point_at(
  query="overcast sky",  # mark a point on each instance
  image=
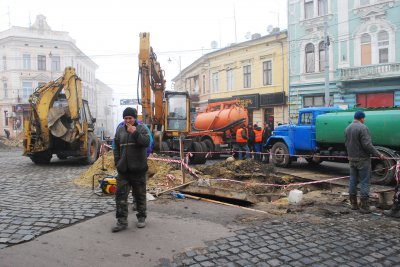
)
(108, 31)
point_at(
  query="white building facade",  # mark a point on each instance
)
(31, 57)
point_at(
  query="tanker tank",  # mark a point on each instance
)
(383, 125)
(221, 116)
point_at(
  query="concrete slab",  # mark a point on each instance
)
(170, 229)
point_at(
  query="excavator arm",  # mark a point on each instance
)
(152, 82)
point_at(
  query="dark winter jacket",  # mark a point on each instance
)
(267, 132)
(358, 142)
(130, 149)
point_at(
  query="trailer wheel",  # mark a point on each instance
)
(382, 171)
(280, 155)
(41, 157)
(198, 157)
(92, 150)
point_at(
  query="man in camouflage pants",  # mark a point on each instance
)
(130, 159)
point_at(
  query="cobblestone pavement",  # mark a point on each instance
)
(303, 243)
(38, 199)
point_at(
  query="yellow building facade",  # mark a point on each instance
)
(254, 71)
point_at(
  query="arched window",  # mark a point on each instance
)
(365, 49)
(310, 58)
(321, 56)
(383, 46)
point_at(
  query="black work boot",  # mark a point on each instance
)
(353, 202)
(364, 208)
(394, 211)
(141, 222)
(119, 227)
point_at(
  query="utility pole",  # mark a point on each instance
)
(326, 47)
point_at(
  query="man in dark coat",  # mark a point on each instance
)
(359, 150)
(130, 144)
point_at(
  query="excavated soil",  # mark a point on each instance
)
(10, 143)
(318, 206)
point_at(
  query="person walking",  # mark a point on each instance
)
(359, 150)
(241, 141)
(130, 144)
(257, 142)
(267, 132)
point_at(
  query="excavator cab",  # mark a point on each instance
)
(177, 110)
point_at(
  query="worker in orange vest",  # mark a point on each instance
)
(241, 142)
(258, 141)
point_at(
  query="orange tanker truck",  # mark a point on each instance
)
(215, 127)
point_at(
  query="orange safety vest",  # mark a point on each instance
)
(239, 138)
(258, 134)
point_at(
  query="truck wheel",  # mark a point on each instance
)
(41, 157)
(198, 157)
(382, 171)
(205, 149)
(165, 148)
(280, 155)
(93, 149)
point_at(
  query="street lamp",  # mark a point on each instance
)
(180, 70)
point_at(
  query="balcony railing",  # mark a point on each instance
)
(370, 71)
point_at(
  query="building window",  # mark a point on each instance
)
(215, 82)
(364, 2)
(313, 101)
(26, 90)
(267, 72)
(4, 63)
(26, 58)
(204, 84)
(41, 62)
(5, 90)
(55, 63)
(321, 56)
(383, 46)
(365, 49)
(321, 7)
(308, 9)
(247, 76)
(310, 58)
(229, 80)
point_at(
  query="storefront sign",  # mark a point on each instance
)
(273, 99)
(249, 101)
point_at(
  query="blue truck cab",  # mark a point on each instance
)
(290, 141)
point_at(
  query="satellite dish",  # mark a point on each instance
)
(214, 44)
(248, 35)
(270, 28)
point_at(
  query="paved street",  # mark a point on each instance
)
(38, 199)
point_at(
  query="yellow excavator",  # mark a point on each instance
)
(60, 122)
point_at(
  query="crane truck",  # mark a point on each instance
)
(168, 114)
(60, 122)
(319, 136)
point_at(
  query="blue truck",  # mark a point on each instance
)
(319, 136)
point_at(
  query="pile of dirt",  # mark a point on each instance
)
(10, 143)
(161, 175)
(253, 176)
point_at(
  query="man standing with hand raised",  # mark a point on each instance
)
(130, 159)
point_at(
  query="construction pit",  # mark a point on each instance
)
(248, 184)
